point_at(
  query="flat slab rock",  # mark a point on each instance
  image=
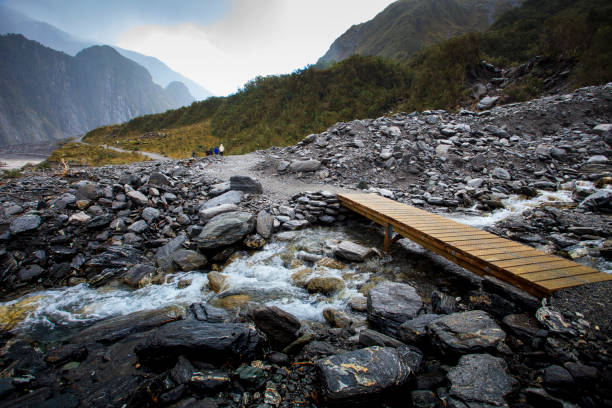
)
(480, 380)
(208, 342)
(390, 304)
(226, 229)
(352, 251)
(466, 332)
(364, 373)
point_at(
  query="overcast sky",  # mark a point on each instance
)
(220, 44)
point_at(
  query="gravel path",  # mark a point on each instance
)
(278, 187)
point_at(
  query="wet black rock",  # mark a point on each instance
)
(466, 332)
(423, 399)
(66, 353)
(362, 375)
(280, 327)
(207, 313)
(522, 326)
(369, 337)
(480, 380)
(441, 303)
(139, 275)
(414, 331)
(207, 342)
(557, 379)
(183, 370)
(209, 382)
(390, 304)
(114, 329)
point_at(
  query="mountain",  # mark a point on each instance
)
(47, 95)
(52, 37)
(407, 26)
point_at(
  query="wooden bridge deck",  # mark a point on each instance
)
(478, 251)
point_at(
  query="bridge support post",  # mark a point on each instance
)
(388, 238)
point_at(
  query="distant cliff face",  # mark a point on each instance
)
(406, 26)
(47, 95)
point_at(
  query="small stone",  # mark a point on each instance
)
(336, 318)
(189, 260)
(326, 285)
(137, 197)
(217, 281)
(352, 251)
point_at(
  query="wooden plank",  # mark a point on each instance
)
(560, 264)
(498, 254)
(538, 259)
(568, 282)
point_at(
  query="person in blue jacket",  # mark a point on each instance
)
(216, 150)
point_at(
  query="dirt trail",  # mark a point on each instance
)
(277, 186)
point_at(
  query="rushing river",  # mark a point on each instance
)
(270, 276)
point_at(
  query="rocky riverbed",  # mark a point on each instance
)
(241, 281)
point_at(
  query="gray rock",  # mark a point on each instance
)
(390, 304)
(481, 380)
(442, 303)
(304, 166)
(150, 214)
(207, 214)
(139, 275)
(86, 191)
(487, 102)
(352, 251)
(599, 201)
(557, 378)
(188, 260)
(423, 399)
(158, 179)
(226, 229)
(501, 174)
(137, 197)
(294, 225)
(138, 227)
(207, 342)
(415, 330)
(363, 374)
(246, 184)
(280, 327)
(218, 189)
(598, 159)
(207, 313)
(466, 332)
(603, 128)
(163, 253)
(25, 223)
(265, 224)
(231, 197)
(30, 273)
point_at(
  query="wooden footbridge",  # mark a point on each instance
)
(475, 250)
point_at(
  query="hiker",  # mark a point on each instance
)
(209, 152)
(193, 154)
(221, 149)
(216, 150)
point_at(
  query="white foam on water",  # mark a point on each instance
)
(514, 205)
(82, 304)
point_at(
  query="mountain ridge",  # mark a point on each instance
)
(48, 95)
(406, 26)
(54, 38)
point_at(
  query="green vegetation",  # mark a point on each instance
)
(11, 173)
(275, 110)
(86, 155)
(281, 110)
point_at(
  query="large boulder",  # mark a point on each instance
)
(304, 166)
(206, 342)
(480, 380)
(246, 184)
(280, 327)
(390, 304)
(226, 229)
(231, 197)
(466, 332)
(352, 251)
(163, 255)
(362, 375)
